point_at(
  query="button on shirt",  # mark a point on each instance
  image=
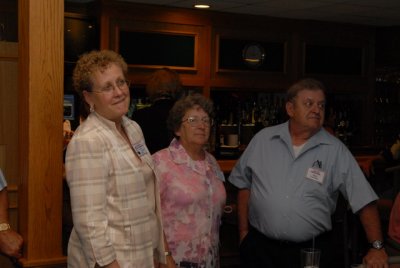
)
(284, 203)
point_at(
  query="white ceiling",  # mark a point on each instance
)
(365, 12)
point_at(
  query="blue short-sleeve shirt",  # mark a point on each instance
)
(284, 203)
(3, 182)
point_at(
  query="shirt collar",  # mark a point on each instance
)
(110, 124)
(321, 137)
(136, 139)
(181, 157)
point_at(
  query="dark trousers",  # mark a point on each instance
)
(259, 251)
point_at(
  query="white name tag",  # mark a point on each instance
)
(140, 149)
(315, 174)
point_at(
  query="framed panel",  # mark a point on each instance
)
(335, 60)
(155, 44)
(157, 48)
(250, 55)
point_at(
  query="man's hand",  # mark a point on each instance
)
(376, 258)
(11, 243)
(369, 216)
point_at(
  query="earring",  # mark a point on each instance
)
(91, 108)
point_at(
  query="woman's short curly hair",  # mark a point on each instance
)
(164, 83)
(91, 62)
(181, 106)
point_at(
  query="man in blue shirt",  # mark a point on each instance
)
(289, 178)
(10, 241)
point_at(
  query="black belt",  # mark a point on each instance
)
(188, 264)
(309, 243)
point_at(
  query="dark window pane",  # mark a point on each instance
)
(333, 60)
(157, 49)
(80, 36)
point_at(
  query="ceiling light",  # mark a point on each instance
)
(201, 4)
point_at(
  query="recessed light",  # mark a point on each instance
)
(202, 6)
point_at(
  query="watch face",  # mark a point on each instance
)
(253, 55)
(377, 244)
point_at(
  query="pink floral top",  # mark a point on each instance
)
(192, 200)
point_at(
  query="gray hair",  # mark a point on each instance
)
(304, 84)
(180, 108)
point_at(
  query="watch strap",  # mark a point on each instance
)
(377, 244)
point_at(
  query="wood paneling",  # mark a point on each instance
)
(215, 25)
(41, 59)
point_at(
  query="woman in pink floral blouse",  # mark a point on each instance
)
(191, 186)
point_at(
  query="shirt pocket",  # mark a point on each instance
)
(315, 194)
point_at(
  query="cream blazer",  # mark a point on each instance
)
(109, 203)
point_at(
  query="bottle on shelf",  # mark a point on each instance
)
(386, 106)
(240, 118)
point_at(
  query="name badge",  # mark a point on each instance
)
(315, 174)
(140, 149)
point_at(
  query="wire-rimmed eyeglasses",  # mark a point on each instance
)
(109, 88)
(195, 121)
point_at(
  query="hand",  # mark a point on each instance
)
(11, 243)
(376, 258)
(170, 263)
(114, 264)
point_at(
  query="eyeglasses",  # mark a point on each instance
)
(195, 121)
(109, 88)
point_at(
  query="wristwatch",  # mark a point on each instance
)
(377, 244)
(4, 226)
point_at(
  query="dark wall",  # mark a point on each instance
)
(387, 46)
(80, 36)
